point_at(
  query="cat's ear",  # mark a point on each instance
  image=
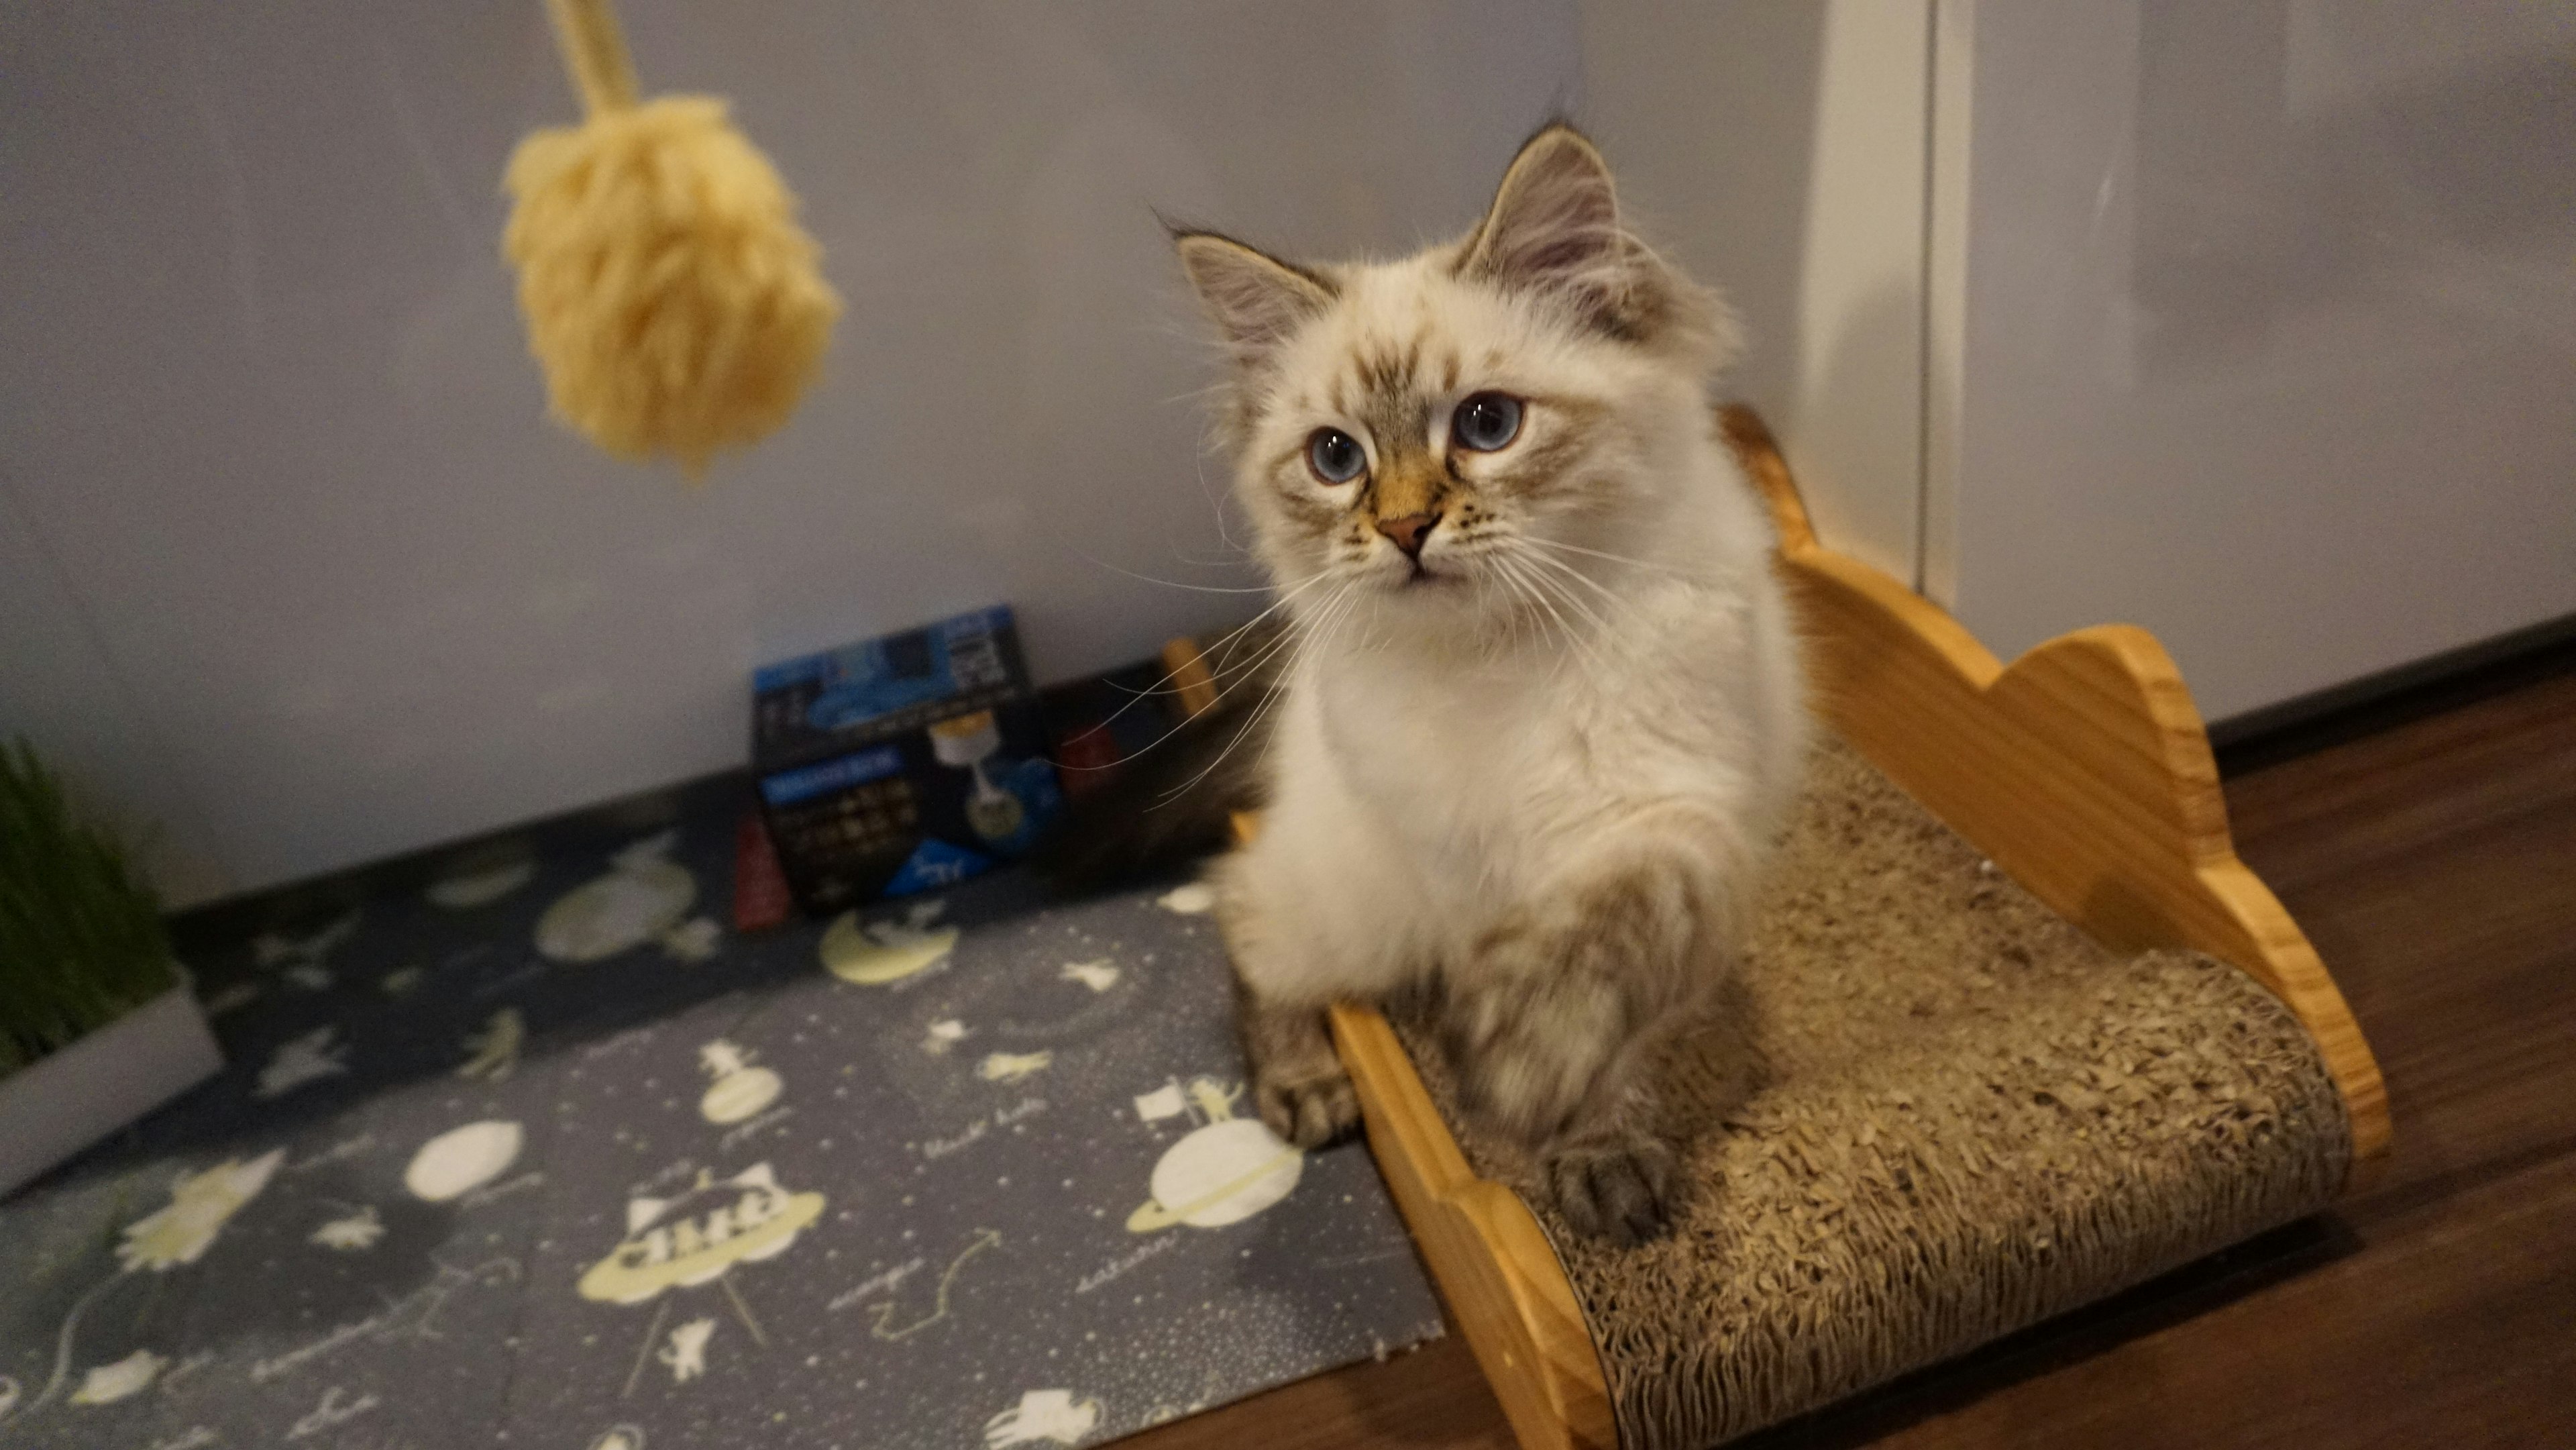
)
(1257, 301)
(1554, 228)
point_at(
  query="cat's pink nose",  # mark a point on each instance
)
(1408, 532)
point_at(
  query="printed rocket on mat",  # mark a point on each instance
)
(739, 1089)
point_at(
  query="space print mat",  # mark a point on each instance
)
(546, 1157)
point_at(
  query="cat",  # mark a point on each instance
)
(1535, 710)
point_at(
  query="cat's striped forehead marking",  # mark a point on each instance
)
(1374, 369)
(1389, 384)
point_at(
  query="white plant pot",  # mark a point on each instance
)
(67, 1100)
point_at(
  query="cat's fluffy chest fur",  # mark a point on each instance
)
(1420, 790)
(1541, 716)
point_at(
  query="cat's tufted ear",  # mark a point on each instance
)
(1257, 301)
(1554, 229)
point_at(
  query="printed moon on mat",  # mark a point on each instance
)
(1191, 900)
(461, 1160)
(739, 1089)
(107, 1383)
(696, 1237)
(1223, 1172)
(643, 895)
(883, 952)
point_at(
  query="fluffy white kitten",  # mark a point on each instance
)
(1539, 714)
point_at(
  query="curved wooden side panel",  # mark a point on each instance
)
(1494, 1264)
(1506, 1291)
(2082, 770)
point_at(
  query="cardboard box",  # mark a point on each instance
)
(901, 764)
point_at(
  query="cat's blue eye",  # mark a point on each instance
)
(1335, 455)
(1485, 422)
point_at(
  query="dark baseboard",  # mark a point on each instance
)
(2395, 697)
(301, 905)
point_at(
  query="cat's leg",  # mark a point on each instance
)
(1554, 1022)
(1324, 905)
(1558, 1063)
(1298, 1084)
(1610, 1170)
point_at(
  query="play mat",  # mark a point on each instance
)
(543, 1155)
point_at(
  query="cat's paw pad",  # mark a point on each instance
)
(1308, 1109)
(1620, 1193)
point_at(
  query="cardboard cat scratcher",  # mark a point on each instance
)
(2018, 1031)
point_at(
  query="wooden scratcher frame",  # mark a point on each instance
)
(2082, 770)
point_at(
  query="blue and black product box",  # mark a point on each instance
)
(902, 764)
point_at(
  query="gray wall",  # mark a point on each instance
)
(293, 571)
(2269, 335)
(1779, 149)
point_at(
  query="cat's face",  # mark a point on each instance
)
(1448, 435)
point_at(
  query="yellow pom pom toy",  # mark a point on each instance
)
(671, 297)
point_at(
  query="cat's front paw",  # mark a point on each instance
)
(1619, 1192)
(1309, 1108)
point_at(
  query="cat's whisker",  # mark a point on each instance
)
(1564, 547)
(1494, 640)
(1589, 645)
(1291, 626)
(1321, 638)
(1293, 589)
(1260, 713)
(1526, 608)
(1196, 397)
(1529, 581)
(1611, 598)
(1533, 614)
(1619, 605)
(1175, 583)
(1333, 607)
(1216, 503)
(1601, 628)
(1568, 654)
(1164, 685)
(1259, 655)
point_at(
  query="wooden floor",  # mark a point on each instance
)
(2433, 862)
